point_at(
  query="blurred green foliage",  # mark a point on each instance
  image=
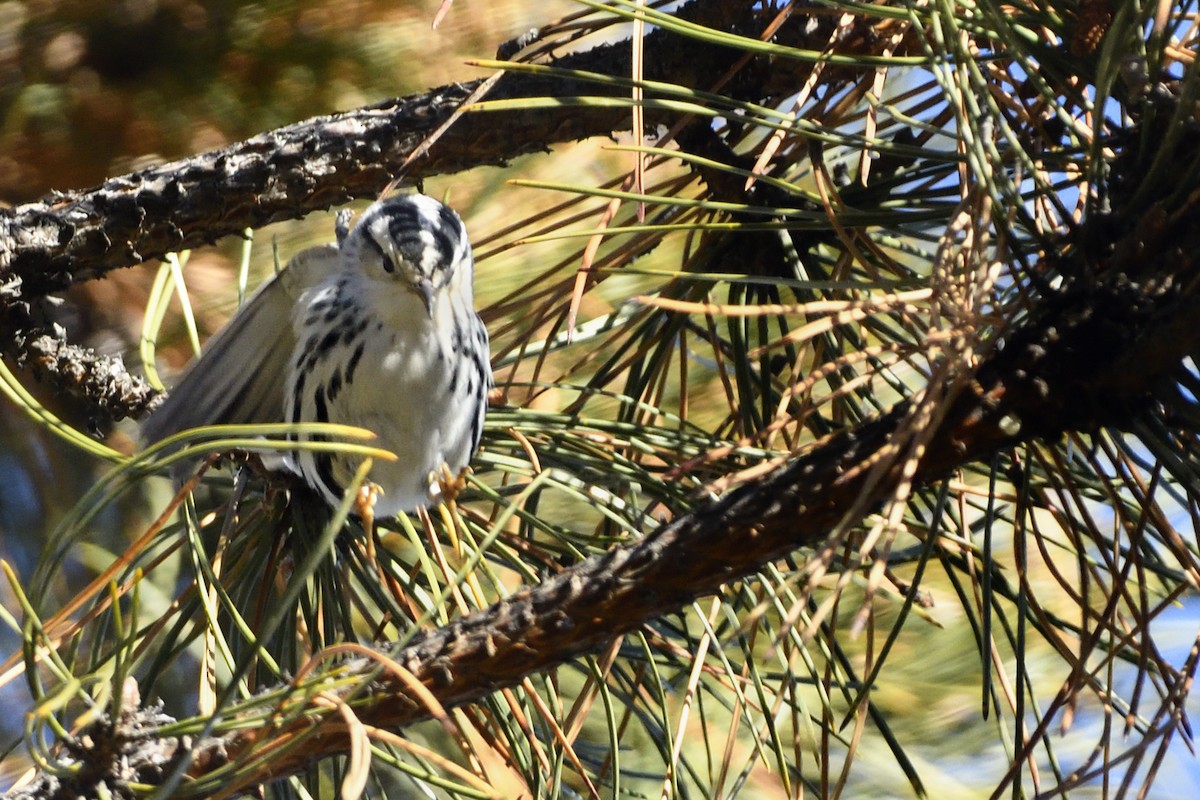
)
(90, 90)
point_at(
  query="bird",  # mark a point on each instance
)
(378, 331)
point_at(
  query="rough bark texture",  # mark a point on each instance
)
(322, 162)
(101, 382)
(1089, 357)
(1095, 353)
(68, 237)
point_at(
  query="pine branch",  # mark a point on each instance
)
(1089, 355)
(102, 382)
(69, 237)
(318, 163)
(1093, 354)
(1087, 358)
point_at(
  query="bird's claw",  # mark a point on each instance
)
(364, 504)
(450, 485)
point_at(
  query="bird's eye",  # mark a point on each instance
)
(388, 264)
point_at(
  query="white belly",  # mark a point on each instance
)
(402, 387)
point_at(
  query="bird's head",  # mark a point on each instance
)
(415, 239)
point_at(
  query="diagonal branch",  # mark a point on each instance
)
(1087, 359)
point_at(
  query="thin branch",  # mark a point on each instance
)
(107, 388)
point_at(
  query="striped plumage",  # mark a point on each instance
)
(379, 332)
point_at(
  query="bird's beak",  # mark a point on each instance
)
(424, 287)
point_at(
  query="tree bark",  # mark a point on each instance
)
(68, 237)
(1040, 385)
(326, 161)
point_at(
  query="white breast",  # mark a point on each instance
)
(393, 378)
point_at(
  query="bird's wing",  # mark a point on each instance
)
(240, 376)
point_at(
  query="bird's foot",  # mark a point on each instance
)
(364, 505)
(450, 485)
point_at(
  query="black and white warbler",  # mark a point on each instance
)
(378, 331)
